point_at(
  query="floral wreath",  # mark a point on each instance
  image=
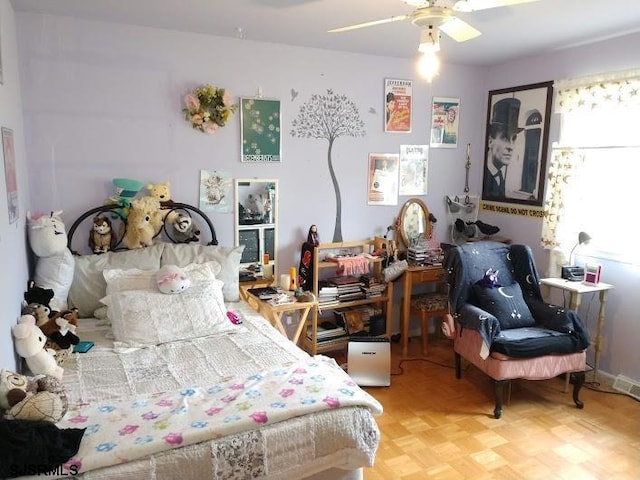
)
(208, 108)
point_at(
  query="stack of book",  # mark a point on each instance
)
(371, 286)
(328, 336)
(418, 255)
(349, 288)
(327, 295)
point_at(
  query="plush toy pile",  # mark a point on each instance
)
(31, 398)
(58, 326)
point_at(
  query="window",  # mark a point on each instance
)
(595, 167)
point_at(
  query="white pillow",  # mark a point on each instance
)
(119, 280)
(56, 272)
(89, 285)
(183, 254)
(141, 318)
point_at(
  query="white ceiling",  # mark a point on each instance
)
(508, 32)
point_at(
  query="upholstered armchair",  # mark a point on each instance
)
(506, 329)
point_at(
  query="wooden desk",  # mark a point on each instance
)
(576, 289)
(414, 275)
(274, 313)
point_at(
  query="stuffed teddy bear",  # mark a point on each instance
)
(184, 229)
(102, 238)
(55, 264)
(161, 192)
(38, 295)
(29, 398)
(61, 329)
(29, 341)
(141, 223)
(125, 190)
(172, 279)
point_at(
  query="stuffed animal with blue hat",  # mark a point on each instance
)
(125, 191)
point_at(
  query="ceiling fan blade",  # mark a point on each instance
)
(369, 24)
(459, 30)
(473, 5)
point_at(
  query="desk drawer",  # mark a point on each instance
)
(431, 275)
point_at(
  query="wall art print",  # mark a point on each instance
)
(260, 130)
(329, 117)
(445, 113)
(413, 169)
(516, 141)
(383, 179)
(215, 191)
(11, 181)
(398, 102)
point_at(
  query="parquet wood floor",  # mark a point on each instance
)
(437, 427)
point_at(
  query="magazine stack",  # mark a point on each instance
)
(371, 286)
(328, 334)
(349, 288)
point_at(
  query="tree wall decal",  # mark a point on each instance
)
(329, 117)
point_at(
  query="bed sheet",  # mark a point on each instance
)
(345, 438)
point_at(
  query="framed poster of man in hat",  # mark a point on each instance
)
(516, 144)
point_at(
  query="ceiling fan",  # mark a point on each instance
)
(438, 15)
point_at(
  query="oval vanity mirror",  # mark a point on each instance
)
(413, 222)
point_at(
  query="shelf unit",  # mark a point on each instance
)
(320, 266)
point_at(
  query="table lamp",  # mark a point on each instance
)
(583, 238)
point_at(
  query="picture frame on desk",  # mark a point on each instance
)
(592, 274)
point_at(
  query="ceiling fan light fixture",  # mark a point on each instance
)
(429, 40)
(429, 65)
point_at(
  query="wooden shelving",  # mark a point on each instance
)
(320, 265)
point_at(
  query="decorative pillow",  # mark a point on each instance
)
(506, 304)
(141, 318)
(182, 254)
(89, 285)
(119, 280)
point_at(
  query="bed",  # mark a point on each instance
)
(173, 389)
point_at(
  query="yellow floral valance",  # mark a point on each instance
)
(610, 90)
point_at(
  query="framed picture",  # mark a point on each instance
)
(413, 169)
(397, 96)
(383, 179)
(216, 194)
(11, 181)
(445, 113)
(516, 144)
(261, 132)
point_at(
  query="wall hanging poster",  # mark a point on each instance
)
(10, 173)
(260, 130)
(444, 122)
(397, 97)
(516, 144)
(383, 179)
(215, 191)
(413, 169)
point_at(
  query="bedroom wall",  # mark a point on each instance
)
(621, 332)
(105, 100)
(13, 256)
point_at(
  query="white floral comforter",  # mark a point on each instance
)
(123, 430)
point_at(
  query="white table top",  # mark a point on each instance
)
(577, 287)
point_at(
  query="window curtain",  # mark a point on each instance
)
(579, 96)
(604, 91)
(563, 170)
